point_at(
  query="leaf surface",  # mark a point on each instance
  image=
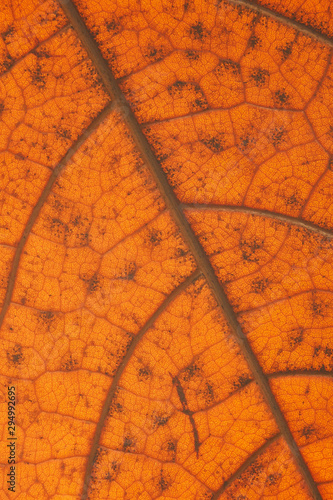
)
(166, 249)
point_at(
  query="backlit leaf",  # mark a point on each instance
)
(166, 249)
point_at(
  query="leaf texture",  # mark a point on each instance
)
(166, 249)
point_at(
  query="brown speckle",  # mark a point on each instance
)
(242, 381)
(259, 285)
(307, 431)
(15, 356)
(128, 444)
(281, 98)
(253, 41)
(70, 363)
(296, 337)
(277, 136)
(192, 55)
(144, 373)
(286, 50)
(249, 248)
(190, 372)
(160, 420)
(259, 76)
(197, 31)
(213, 143)
(164, 484)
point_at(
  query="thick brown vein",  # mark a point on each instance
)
(288, 219)
(312, 373)
(244, 466)
(189, 237)
(307, 30)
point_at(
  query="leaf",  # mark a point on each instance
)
(166, 248)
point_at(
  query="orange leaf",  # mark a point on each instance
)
(166, 248)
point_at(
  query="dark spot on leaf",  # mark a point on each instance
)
(177, 90)
(190, 372)
(254, 472)
(208, 496)
(115, 407)
(162, 156)
(316, 350)
(242, 381)
(57, 227)
(63, 132)
(228, 65)
(318, 307)
(249, 248)
(151, 52)
(7, 62)
(293, 201)
(281, 97)
(76, 220)
(113, 26)
(197, 31)
(253, 41)
(296, 337)
(172, 173)
(192, 55)
(277, 136)
(244, 141)
(115, 466)
(160, 420)
(163, 483)
(38, 78)
(94, 283)
(259, 285)
(46, 316)
(198, 286)
(15, 356)
(199, 104)
(8, 33)
(42, 52)
(273, 478)
(307, 431)
(100, 453)
(259, 76)
(129, 272)
(155, 237)
(171, 446)
(108, 476)
(144, 373)
(328, 351)
(159, 149)
(208, 393)
(286, 50)
(176, 87)
(112, 472)
(70, 364)
(180, 252)
(128, 444)
(155, 54)
(213, 143)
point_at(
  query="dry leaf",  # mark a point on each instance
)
(166, 248)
